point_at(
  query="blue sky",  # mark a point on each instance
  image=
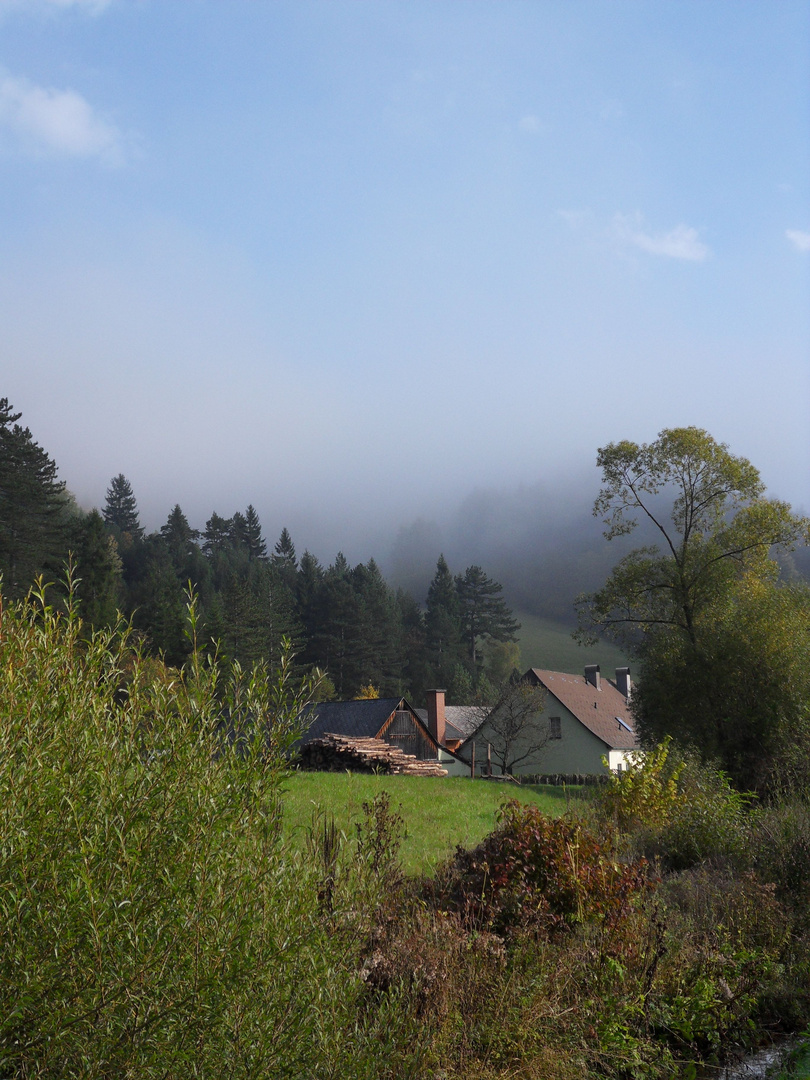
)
(350, 261)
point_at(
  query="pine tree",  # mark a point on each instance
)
(98, 567)
(33, 526)
(308, 596)
(121, 509)
(483, 612)
(256, 547)
(414, 655)
(284, 561)
(180, 538)
(218, 535)
(443, 631)
(378, 633)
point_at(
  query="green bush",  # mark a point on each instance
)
(153, 922)
(678, 810)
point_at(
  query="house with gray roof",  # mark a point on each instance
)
(389, 720)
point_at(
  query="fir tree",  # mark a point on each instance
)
(256, 547)
(98, 567)
(443, 629)
(308, 591)
(121, 509)
(483, 612)
(180, 538)
(284, 561)
(33, 533)
(218, 535)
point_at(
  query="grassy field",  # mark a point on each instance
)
(548, 644)
(438, 813)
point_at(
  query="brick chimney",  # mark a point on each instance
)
(435, 711)
(592, 675)
(623, 684)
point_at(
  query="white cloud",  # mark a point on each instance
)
(799, 239)
(682, 242)
(57, 122)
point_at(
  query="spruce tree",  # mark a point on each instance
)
(33, 526)
(256, 547)
(284, 561)
(483, 612)
(218, 535)
(98, 567)
(121, 509)
(338, 627)
(443, 631)
(180, 538)
(308, 594)
(378, 633)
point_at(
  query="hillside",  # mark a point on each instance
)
(545, 643)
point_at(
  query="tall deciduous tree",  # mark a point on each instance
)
(713, 522)
(689, 607)
(33, 502)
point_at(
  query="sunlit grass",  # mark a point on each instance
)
(439, 814)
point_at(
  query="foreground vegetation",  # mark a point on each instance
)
(159, 922)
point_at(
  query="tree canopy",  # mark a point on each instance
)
(688, 607)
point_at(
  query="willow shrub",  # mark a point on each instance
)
(153, 922)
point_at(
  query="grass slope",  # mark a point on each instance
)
(439, 814)
(548, 644)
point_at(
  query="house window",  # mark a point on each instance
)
(554, 728)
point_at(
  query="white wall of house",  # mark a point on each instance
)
(618, 760)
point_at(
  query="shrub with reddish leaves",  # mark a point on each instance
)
(545, 873)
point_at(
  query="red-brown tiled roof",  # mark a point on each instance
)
(599, 710)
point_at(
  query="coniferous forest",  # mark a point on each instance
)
(346, 620)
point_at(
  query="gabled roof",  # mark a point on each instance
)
(605, 712)
(364, 719)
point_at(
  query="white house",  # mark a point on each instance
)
(584, 719)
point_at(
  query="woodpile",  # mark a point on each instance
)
(341, 753)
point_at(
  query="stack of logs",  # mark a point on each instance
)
(339, 753)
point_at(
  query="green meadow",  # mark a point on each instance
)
(438, 813)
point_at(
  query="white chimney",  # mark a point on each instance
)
(623, 684)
